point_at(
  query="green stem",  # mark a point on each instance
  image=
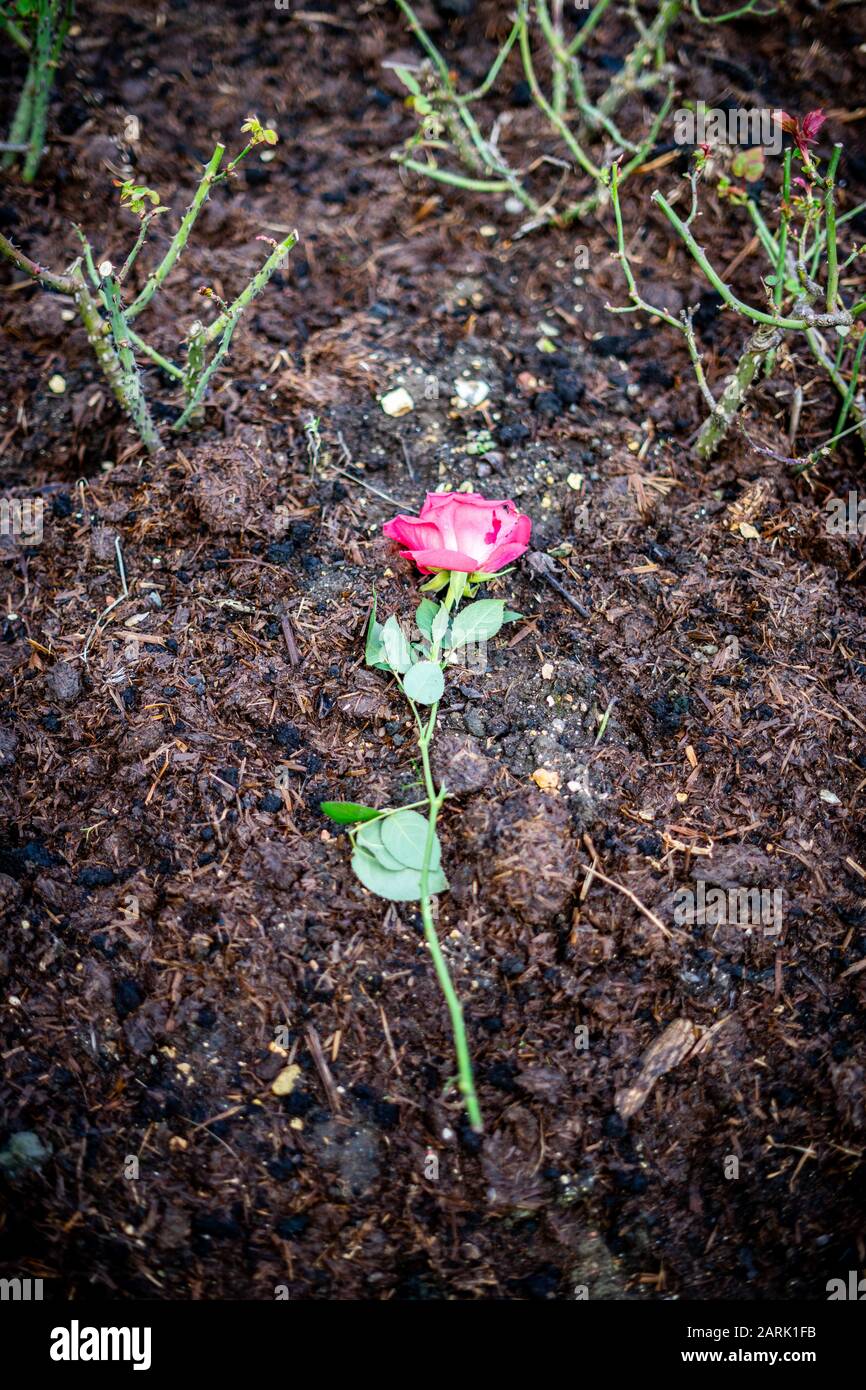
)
(20, 127)
(782, 247)
(556, 120)
(50, 33)
(181, 235)
(427, 44)
(87, 252)
(139, 242)
(255, 286)
(750, 7)
(830, 221)
(456, 180)
(495, 68)
(851, 392)
(629, 76)
(718, 284)
(129, 389)
(156, 357)
(10, 28)
(193, 406)
(819, 352)
(196, 362)
(717, 424)
(584, 32)
(466, 1078)
(551, 27)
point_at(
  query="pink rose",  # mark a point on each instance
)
(461, 531)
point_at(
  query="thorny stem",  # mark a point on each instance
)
(682, 325)
(782, 249)
(49, 38)
(195, 365)
(255, 286)
(541, 101)
(629, 78)
(180, 237)
(586, 29)
(112, 337)
(133, 394)
(199, 385)
(717, 424)
(20, 127)
(61, 284)
(718, 284)
(857, 406)
(29, 122)
(830, 222)
(851, 392)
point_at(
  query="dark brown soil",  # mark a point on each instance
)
(181, 924)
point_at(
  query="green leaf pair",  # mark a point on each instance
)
(388, 649)
(389, 853)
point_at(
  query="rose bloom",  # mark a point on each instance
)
(461, 531)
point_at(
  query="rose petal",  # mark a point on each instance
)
(508, 551)
(442, 560)
(414, 532)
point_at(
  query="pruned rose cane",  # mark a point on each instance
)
(460, 540)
